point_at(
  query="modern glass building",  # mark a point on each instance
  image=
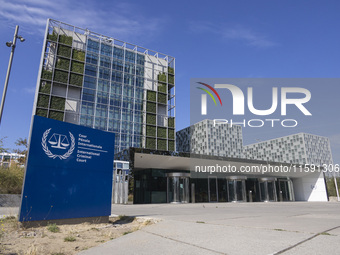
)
(100, 82)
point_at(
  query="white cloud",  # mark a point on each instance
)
(117, 20)
(235, 32)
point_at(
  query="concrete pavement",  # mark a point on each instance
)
(228, 228)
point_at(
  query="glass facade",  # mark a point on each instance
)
(104, 83)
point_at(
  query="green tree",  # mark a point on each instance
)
(21, 143)
(2, 149)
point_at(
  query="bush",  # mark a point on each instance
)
(171, 122)
(57, 103)
(161, 132)
(41, 112)
(151, 119)
(331, 186)
(78, 55)
(171, 134)
(45, 87)
(56, 115)
(150, 143)
(64, 51)
(161, 145)
(46, 75)
(77, 67)
(76, 79)
(151, 131)
(151, 96)
(150, 107)
(162, 87)
(60, 76)
(65, 39)
(162, 98)
(69, 239)
(63, 63)
(53, 228)
(43, 101)
(11, 179)
(171, 145)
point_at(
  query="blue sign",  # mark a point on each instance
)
(69, 172)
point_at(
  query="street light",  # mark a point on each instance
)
(10, 44)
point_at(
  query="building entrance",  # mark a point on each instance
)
(178, 187)
(236, 189)
(267, 189)
(285, 190)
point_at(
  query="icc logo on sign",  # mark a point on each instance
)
(59, 142)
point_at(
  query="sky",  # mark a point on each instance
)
(209, 39)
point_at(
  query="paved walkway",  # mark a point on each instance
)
(229, 228)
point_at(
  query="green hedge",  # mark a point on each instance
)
(63, 63)
(162, 87)
(57, 103)
(150, 143)
(41, 112)
(161, 145)
(171, 122)
(60, 76)
(171, 70)
(162, 98)
(171, 79)
(65, 39)
(45, 87)
(43, 101)
(161, 132)
(56, 115)
(76, 79)
(46, 75)
(171, 145)
(151, 131)
(171, 134)
(162, 77)
(150, 107)
(52, 37)
(64, 51)
(77, 67)
(151, 95)
(151, 119)
(78, 55)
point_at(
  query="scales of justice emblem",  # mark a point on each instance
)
(57, 141)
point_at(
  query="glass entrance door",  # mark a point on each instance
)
(285, 189)
(212, 188)
(178, 187)
(236, 189)
(267, 189)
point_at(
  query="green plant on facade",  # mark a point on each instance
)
(171, 133)
(151, 131)
(76, 79)
(171, 145)
(45, 87)
(150, 107)
(47, 75)
(150, 143)
(171, 70)
(64, 39)
(41, 112)
(162, 77)
(64, 51)
(52, 37)
(60, 76)
(57, 103)
(78, 55)
(43, 101)
(77, 67)
(56, 115)
(161, 145)
(63, 63)
(171, 79)
(151, 95)
(151, 119)
(162, 98)
(171, 122)
(161, 132)
(162, 87)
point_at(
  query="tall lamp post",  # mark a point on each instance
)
(9, 44)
